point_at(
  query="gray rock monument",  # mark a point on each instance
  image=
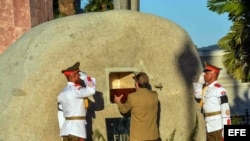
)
(118, 41)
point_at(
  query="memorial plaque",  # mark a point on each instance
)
(118, 129)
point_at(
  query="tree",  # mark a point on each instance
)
(237, 42)
(66, 7)
(99, 5)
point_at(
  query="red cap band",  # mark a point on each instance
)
(69, 72)
(211, 68)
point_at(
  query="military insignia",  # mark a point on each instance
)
(217, 85)
(223, 93)
(227, 112)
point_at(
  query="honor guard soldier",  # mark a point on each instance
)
(71, 102)
(213, 100)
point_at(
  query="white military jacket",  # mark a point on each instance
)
(215, 105)
(72, 104)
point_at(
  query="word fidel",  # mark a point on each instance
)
(236, 132)
(121, 137)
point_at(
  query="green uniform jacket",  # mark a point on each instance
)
(143, 105)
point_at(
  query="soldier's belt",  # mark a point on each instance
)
(212, 114)
(75, 118)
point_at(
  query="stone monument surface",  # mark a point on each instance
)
(117, 40)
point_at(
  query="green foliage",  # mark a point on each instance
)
(195, 130)
(99, 5)
(236, 120)
(237, 42)
(97, 136)
(56, 12)
(233, 7)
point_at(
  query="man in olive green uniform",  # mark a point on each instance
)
(143, 105)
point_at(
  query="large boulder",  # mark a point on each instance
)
(119, 40)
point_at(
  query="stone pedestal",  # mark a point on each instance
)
(105, 43)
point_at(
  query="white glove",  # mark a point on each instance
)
(201, 79)
(93, 80)
(88, 78)
(83, 75)
(85, 78)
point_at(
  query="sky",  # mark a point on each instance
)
(205, 27)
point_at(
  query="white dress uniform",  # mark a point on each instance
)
(215, 105)
(72, 104)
